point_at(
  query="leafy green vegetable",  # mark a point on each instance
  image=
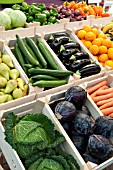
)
(35, 139)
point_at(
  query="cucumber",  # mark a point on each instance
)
(47, 55)
(19, 57)
(28, 66)
(26, 52)
(44, 77)
(30, 50)
(56, 73)
(49, 83)
(37, 52)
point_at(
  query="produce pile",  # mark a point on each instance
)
(102, 95)
(85, 10)
(12, 86)
(108, 30)
(37, 12)
(91, 138)
(37, 142)
(71, 55)
(98, 44)
(38, 63)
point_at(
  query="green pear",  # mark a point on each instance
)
(3, 82)
(3, 98)
(4, 70)
(1, 93)
(17, 93)
(7, 60)
(14, 73)
(2, 90)
(9, 97)
(11, 85)
(20, 83)
(25, 91)
(0, 60)
(1, 75)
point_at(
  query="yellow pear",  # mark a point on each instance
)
(20, 83)
(11, 85)
(3, 82)
(1, 93)
(14, 73)
(4, 70)
(3, 98)
(25, 91)
(17, 93)
(9, 97)
(7, 60)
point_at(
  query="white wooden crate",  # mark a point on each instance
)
(101, 21)
(31, 91)
(35, 107)
(95, 113)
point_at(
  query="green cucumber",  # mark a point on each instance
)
(56, 73)
(44, 77)
(26, 52)
(37, 52)
(49, 83)
(30, 50)
(19, 57)
(28, 66)
(47, 55)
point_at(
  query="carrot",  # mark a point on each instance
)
(111, 115)
(101, 92)
(106, 105)
(103, 97)
(95, 92)
(100, 103)
(96, 87)
(107, 111)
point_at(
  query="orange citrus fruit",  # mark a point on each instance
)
(102, 64)
(86, 28)
(101, 39)
(112, 45)
(107, 43)
(88, 44)
(90, 36)
(109, 63)
(96, 57)
(83, 41)
(95, 31)
(101, 35)
(94, 49)
(96, 41)
(110, 53)
(81, 34)
(103, 58)
(102, 49)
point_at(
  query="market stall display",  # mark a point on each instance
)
(59, 73)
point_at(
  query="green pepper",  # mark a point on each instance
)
(30, 18)
(53, 12)
(24, 6)
(40, 17)
(46, 12)
(44, 23)
(16, 7)
(35, 4)
(52, 19)
(34, 10)
(42, 6)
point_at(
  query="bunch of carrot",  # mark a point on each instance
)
(102, 95)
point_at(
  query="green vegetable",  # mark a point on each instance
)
(16, 7)
(46, 12)
(30, 50)
(53, 12)
(52, 19)
(30, 18)
(49, 83)
(47, 55)
(20, 57)
(26, 52)
(37, 52)
(24, 6)
(43, 77)
(40, 17)
(34, 10)
(56, 73)
(5, 20)
(42, 6)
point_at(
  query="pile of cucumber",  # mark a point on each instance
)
(38, 63)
